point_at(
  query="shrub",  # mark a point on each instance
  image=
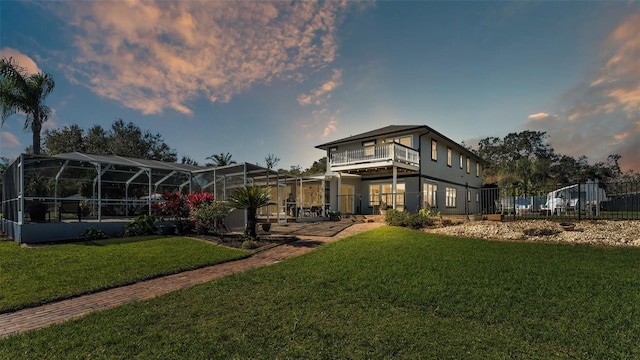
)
(250, 244)
(395, 218)
(195, 200)
(415, 221)
(92, 233)
(211, 215)
(141, 225)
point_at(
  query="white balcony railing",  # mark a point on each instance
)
(392, 152)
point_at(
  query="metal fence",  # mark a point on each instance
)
(587, 200)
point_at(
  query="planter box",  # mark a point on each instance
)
(167, 229)
(475, 217)
(495, 217)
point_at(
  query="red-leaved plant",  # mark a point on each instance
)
(194, 200)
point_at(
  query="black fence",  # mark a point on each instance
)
(587, 200)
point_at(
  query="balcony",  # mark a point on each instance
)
(392, 154)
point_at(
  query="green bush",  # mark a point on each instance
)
(92, 233)
(414, 221)
(210, 216)
(141, 225)
(250, 244)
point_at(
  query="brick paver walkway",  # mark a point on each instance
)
(37, 317)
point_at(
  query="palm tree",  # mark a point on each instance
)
(251, 198)
(220, 160)
(25, 93)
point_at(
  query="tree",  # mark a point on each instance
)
(188, 161)
(220, 160)
(271, 160)
(251, 198)
(318, 167)
(122, 139)
(25, 93)
(64, 140)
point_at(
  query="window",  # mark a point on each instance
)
(369, 148)
(461, 161)
(448, 156)
(333, 149)
(434, 150)
(477, 169)
(379, 193)
(468, 166)
(450, 197)
(404, 140)
(429, 192)
(468, 196)
(374, 195)
(477, 197)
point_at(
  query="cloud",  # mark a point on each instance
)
(22, 59)
(157, 55)
(322, 94)
(603, 113)
(8, 140)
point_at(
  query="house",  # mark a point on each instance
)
(405, 167)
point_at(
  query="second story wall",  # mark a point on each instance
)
(447, 161)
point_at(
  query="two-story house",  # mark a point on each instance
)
(406, 167)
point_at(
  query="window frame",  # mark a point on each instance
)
(434, 150)
(429, 195)
(369, 147)
(451, 197)
(449, 156)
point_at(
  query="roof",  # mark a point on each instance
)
(126, 161)
(387, 130)
(395, 129)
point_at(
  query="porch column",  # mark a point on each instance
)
(338, 190)
(323, 196)
(394, 186)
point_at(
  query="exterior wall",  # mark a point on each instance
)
(436, 172)
(438, 169)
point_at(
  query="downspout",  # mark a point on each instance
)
(420, 167)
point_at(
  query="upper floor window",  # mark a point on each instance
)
(461, 161)
(434, 150)
(369, 148)
(449, 155)
(404, 140)
(468, 166)
(477, 169)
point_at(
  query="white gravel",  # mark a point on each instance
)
(594, 232)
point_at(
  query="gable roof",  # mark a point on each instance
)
(396, 129)
(387, 130)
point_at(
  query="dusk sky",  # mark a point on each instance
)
(254, 78)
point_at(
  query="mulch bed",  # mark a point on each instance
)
(236, 240)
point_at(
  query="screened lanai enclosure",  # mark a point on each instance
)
(51, 198)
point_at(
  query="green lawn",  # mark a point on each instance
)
(30, 276)
(387, 293)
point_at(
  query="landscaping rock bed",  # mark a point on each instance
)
(593, 232)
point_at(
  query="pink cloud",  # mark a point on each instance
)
(604, 113)
(157, 55)
(22, 59)
(9, 140)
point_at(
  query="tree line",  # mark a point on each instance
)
(525, 160)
